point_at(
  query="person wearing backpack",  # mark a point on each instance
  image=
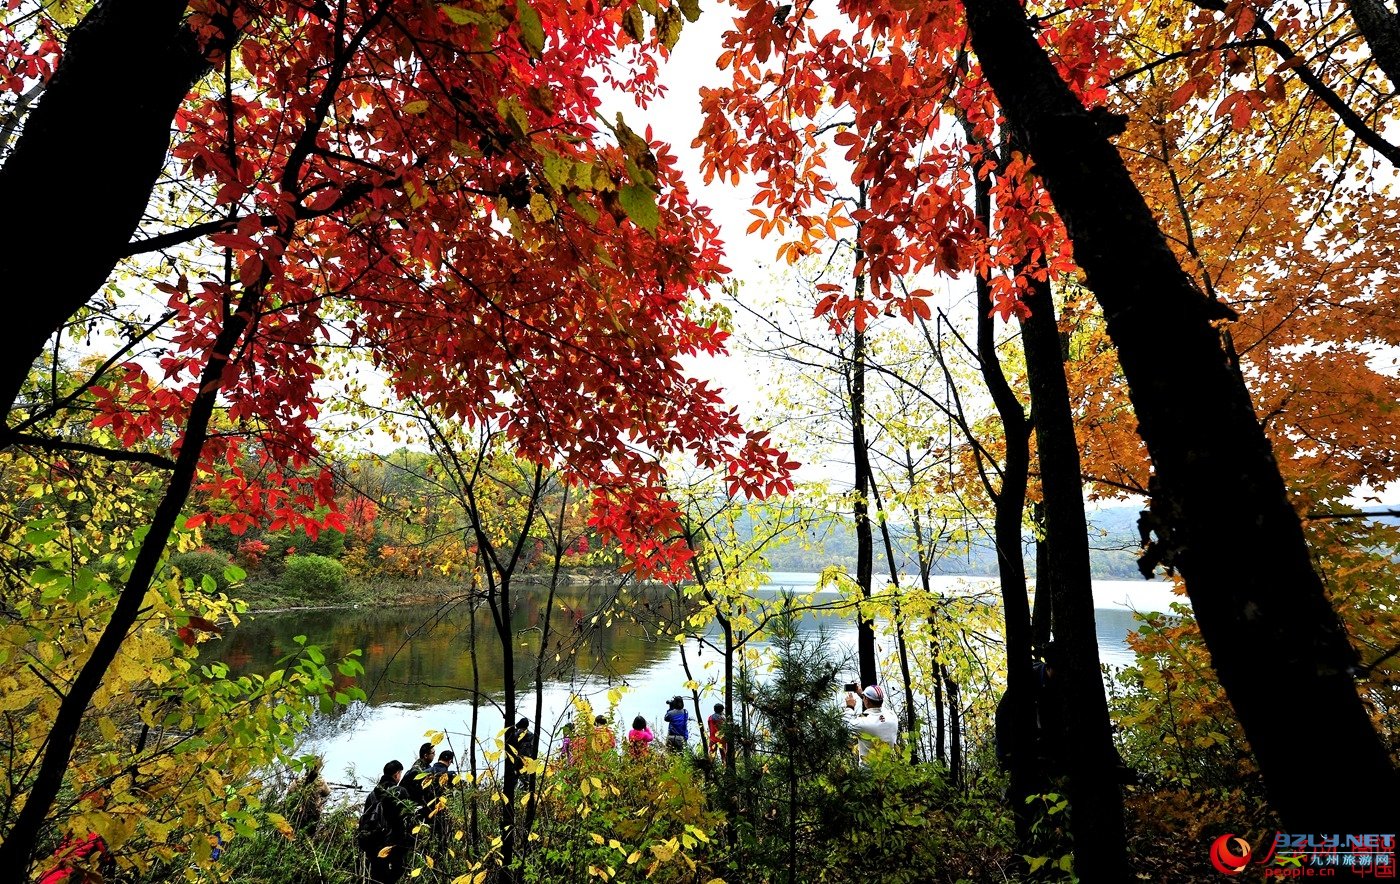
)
(385, 831)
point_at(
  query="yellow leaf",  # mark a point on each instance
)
(416, 107)
(541, 208)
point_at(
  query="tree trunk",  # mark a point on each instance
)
(1010, 502)
(474, 818)
(1220, 509)
(955, 762)
(1381, 28)
(104, 119)
(865, 542)
(1096, 804)
(20, 840)
(505, 632)
(910, 717)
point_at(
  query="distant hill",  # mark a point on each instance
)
(1113, 550)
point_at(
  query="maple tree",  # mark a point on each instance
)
(434, 184)
(1258, 600)
(872, 101)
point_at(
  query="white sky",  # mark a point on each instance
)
(675, 119)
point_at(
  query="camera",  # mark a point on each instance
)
(852, 687)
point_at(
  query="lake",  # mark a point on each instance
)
(419, 673)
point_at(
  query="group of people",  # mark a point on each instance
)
(397, 804)
(640, 738)
(677, 720)
(401, 800)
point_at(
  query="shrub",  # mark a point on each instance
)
(313, 577)
(634, 818)
(201, 563)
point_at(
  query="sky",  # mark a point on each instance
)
(675, 119)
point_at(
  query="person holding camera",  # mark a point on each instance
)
(677, 725)
(872, 722)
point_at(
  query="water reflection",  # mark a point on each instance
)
(419, 670)
(420, 655)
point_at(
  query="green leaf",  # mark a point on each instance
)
(514, 116)
(639, 202)
(44, 576)
(690, 9)
(668, 26)
(461, 16)
(531, 31)
(557, 170)
(633, 23)
(585, 211)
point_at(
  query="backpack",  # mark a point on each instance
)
(372, 832)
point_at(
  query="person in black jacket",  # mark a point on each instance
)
(413, 778)
(520, 748)
(395, 817)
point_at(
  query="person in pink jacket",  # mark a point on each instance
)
(639, 738)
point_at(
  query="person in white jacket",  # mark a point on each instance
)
(872, 722)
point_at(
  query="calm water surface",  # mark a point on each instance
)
(419, 673)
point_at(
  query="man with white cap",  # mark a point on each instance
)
(872, 722)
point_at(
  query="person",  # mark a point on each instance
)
(567, 740)
(520, 747)
(413, 779)
(716, 724)
(1046, 717)
(872, 722)
(603, 739)
(639, 738)
(677, 725)
(435, 785)
(80, 860)
(387, 822)
(306, 801)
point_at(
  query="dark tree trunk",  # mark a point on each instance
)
(1096, 804)
(555, 574)
(20, 840)
(1017, 711)
(474, 819)
(1381, 28)
(865, 541)
(955, 765)
(503, 617)
(1220, 511)
(729, 719)
(910, 717)
(84, 166)
(939, 737)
